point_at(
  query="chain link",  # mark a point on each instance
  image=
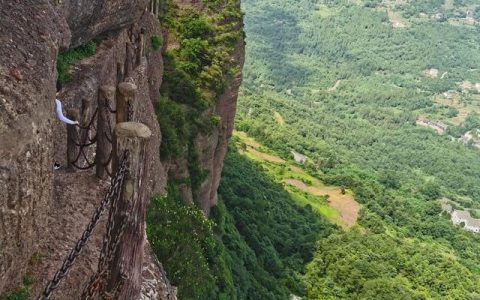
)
(98, 281)
(108, 107)
(114, 190)
(85, 143)
(129, 111)
(108, 135)
(110, 244)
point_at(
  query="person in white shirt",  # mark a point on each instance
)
(62, 118)
(58, 109)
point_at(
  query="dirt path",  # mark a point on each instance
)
(335, 86)
(439, 128)
(265, 156)
(296, 169)
(344, 204)
(247, 140)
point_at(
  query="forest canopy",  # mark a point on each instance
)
(353, 82)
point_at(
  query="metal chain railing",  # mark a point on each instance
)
(129, 112)
(97, 281)
(90, 123)
(85, 143)
(108, 136)
(109, 108)
(112, 193)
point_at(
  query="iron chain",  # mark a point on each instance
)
(114, 190)
(129, 111)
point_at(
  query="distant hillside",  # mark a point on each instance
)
(357, 85)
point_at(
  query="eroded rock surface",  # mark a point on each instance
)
(213, 148)
(33, 197)
(89, 19)
(31, 33)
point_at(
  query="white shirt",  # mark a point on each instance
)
(60, 115)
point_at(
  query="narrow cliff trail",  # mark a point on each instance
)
(76, 196)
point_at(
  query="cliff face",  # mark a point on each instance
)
(209, 147)
(43, 211)
(31, 33)
(89, 19)
(213, 147)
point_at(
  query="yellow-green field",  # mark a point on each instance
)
(329, 201)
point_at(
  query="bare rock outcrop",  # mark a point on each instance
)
(212, 147)
(88, 19)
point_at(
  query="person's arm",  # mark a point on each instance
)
(60, 116)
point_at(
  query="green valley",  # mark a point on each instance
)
(382, 98)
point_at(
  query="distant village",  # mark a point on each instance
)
(471, 137)
(461, 217)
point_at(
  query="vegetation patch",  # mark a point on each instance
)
(379, 266)
(68, 58)
(156, 41)
(173, 125)
(338, 207)
(22, 292)
(278, 234)
(182, 239)
(254, 247)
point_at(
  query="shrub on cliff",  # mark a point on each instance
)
(182, 239)
(195, 25)
(157, 41)
(172, 123)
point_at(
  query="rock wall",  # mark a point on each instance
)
(31, 33)
(90, 19)
(31, 139)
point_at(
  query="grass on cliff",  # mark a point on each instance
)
(66, 59)
(156, 41)
(22, 292)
